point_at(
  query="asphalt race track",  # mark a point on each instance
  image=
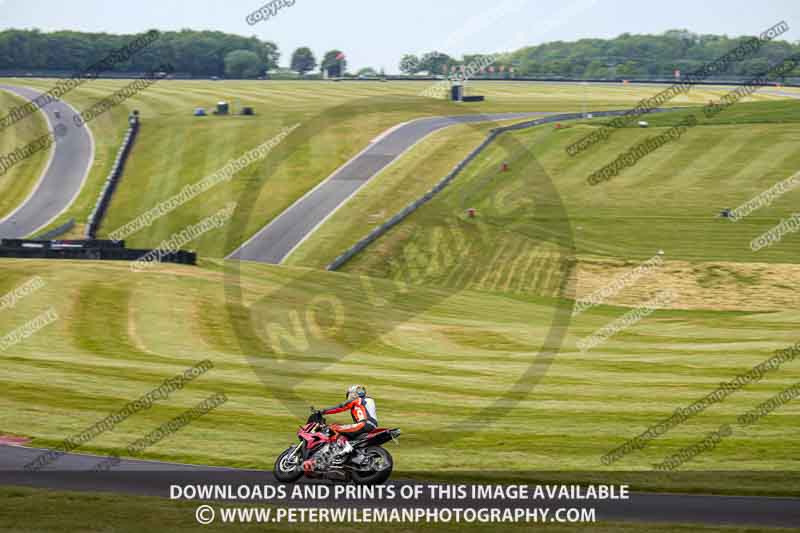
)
(63, 177)
(149, 478)
(289, 229)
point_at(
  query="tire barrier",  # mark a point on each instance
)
(104, 200)
(493, 134)
(56, 232)
(92, 249)
(45, 243)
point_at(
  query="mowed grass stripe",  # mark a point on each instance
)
(660, 170)
(19, 180)
(448, 362)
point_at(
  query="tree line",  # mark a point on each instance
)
(212, 53)
(196, 53)
(627, 55)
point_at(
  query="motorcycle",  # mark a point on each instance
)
(321, 454)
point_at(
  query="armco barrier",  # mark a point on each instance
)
(112, 180)
(416, 204)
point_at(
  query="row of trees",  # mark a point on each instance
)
(210, 53)
(624, 56)
(199, 53)
(438, 63)
(334, 63)
(246, 64)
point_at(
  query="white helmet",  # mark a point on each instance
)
(354, 391)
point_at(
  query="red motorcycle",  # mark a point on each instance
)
(321, 454)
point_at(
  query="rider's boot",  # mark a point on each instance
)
(343, 448)
(347, 447)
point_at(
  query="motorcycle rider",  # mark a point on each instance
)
(363, 410)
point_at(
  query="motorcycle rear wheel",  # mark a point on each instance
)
(288, 469)
(383, 464)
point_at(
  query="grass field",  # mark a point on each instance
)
(337, 120)
(669, 201)
(17, 183)
(485, 292)
(441, 358)
(58, 512)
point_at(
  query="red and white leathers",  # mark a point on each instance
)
(364, 415)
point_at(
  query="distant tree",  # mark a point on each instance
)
(334, 63)
(755, 67)
(630, 68)
(303, 60)
(367, 71)
(409, 64)
(435, 62)
(479, 59)
(267, 52)
(596, 69)
(243, 64)
(681, 34)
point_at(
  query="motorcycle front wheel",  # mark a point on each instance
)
(380, 467)
(289, 466)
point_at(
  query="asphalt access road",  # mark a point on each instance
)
(63, 176)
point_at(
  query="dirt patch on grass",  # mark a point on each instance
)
(716, 285)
